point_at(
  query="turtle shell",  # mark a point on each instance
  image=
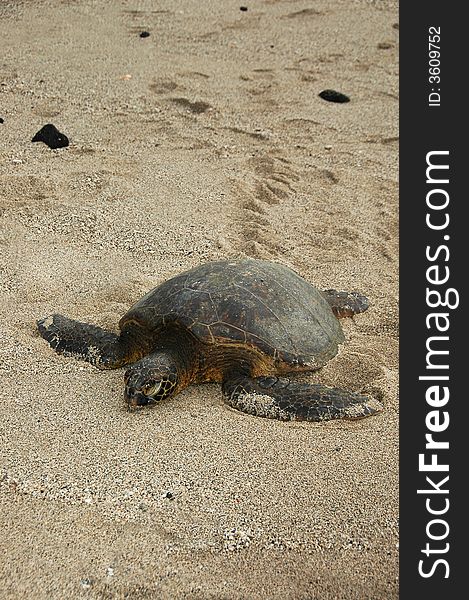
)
(261, 304)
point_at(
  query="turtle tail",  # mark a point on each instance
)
(279, 398)
(97, 346)
(346, 304)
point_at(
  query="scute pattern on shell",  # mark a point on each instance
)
(258, 303)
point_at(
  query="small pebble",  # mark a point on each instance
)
(1, 120)
(144, 34)
(243, 8)
(169, 495)
(333, 96)
(51, 136)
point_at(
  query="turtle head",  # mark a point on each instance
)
(150, 380)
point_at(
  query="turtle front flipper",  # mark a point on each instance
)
(97, 346)
(346, 304)
(279, 398)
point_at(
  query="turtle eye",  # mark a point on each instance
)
(151, 388)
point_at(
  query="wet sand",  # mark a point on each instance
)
(205, 140)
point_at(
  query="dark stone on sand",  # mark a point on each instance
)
(51, 136)
(144, 34)
(243, 8)
(333, 96)
(1, 120)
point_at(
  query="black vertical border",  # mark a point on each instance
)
(425, 128)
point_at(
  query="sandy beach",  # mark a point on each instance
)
(204, 140)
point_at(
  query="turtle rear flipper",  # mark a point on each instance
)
(97, 346)
(279, 398)
(346, 304)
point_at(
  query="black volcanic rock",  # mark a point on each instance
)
(333, 96)
(50, 135)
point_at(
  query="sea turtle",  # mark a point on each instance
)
(244, 323)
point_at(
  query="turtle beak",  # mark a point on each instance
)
(129, 399)
(135, 399)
